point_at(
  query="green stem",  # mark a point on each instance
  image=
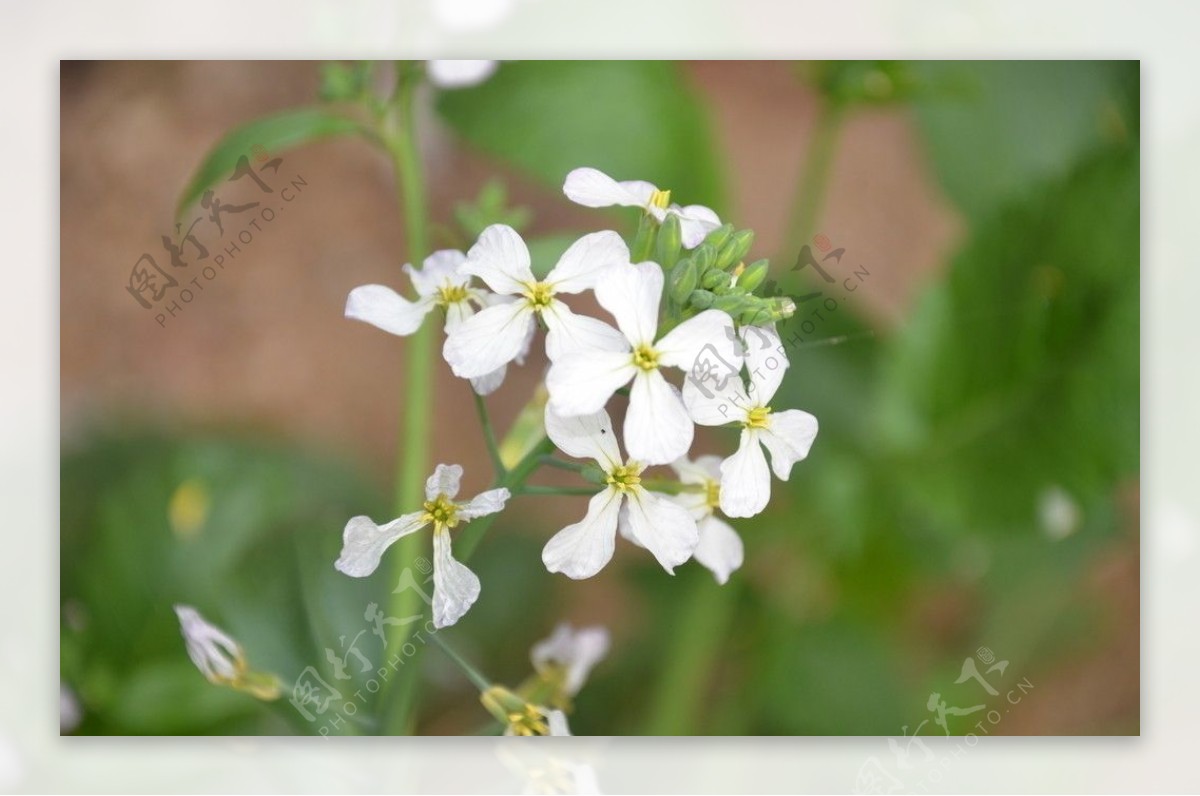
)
(810, 189)
(470, 671)
(684, 686)
(412, 444)
(557, 490)
(554, 461)
(489, 436)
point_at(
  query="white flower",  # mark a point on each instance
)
(570, 654)
(539, 720)
(459, 74)
(720, 547)
(662, 527)
(497, 335)
(658, 429)
(438, 284)
(455, 588)
(788, 435)
(219, 658)
(593, 188)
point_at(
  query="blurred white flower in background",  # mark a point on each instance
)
(569, 655)
(1058, 513)
(448, 74)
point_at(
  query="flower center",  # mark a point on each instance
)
(758, 417)
(626, 477)
(645, 357)
(539, 294)
(660, 199)
(451, 294)
(529, 721)
(442, 511)
(712, 494)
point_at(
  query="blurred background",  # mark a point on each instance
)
(973, 493)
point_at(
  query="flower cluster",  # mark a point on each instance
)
(684, 317)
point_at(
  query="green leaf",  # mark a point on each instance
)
(998, 127)
(274, 134)
(633, 120)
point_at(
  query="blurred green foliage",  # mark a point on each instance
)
(910, 537)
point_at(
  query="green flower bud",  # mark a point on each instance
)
(715, 279)
(735, 248)
(701, 299)
(756, 317)
(670, 239)
(735, 305)
(753, 276)
(704, 256)
(718, 236)
(782, 307)
(683, 279)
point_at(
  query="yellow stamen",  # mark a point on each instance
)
(539, 295)
(451, 294)
(758, 417)
(645, 357)
(442, 512)
(660, 199)
(626, 477)
(712, 494)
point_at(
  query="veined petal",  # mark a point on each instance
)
(720, 548)
(583, 262)
(576, 651)
(696, 503)
(488, 339)
(440, 270)
(449, 73)
(363, 542)
(385, 309)
(709, 335)
(593, 188)
(714, 400)
(788, 436)
(582, 384)
(455, 588)
(501, 259)
(695, 222)
(664, 528)
(581, 550)
(570, 334)
(658, 429)
(584, 437)
(766, 361)
(632, 294)
(484, 503)
(444, 481)
(745, 479)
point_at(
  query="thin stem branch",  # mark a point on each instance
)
(562, 464)
(810, 188)
(556, 490)
(489, 436)
(471, 672)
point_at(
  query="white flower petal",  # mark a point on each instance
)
(745, 479)
(700, 470)
(583, 262)
(593, 188)
(501, 259)
(584, 437)
(577, 651)
(720, 548)
(489, 339)
(489, 382)
(664, 528)
(707, 336)
(789, 436)
(714, 397)
(364, 542)
(484, 503)
(695, 222)
(766, 361)
(631, 294)
(445, 480)
(658, 429)
(445, 73)
(569, 334)
(582, 549)
(440, 270)
(583, 383)
(384, 308)
(212, 649)
(556, 722)
(455, 588)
